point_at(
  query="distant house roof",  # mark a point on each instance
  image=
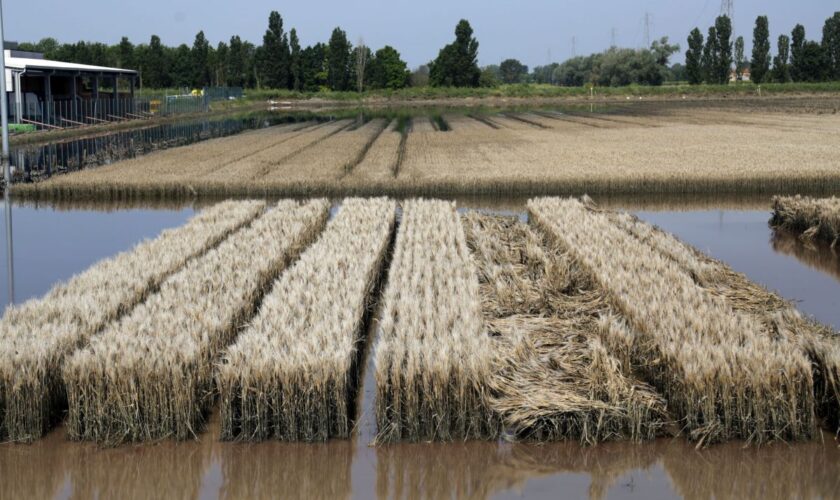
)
(32, 63)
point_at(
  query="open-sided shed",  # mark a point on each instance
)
(60, 93)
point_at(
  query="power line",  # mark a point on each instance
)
(727, 8)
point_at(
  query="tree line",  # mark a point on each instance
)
(797, 59)
(279, 62)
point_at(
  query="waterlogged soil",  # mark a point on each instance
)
(206, 468)
(52, 243)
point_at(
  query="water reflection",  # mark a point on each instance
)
(56, 240)
(743, 240)
(51, 245)
(508, 204)
(10, 247)
(207, 468)
(814, 254)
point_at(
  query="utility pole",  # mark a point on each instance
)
(612, 37)
(574, 48)
(647, 30)
(4, 159)
(4, 107)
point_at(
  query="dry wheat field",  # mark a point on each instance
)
(669, 150)
(483, 326)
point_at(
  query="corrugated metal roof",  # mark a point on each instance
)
(45, 64)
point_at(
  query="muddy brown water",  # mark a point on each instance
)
(52, 243)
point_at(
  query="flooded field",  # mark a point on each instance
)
(54, 242)
(665, 148)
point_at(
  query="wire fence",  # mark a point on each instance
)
(87, 111)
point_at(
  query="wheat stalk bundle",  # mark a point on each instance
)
(433, 356)
(814, 218)
(554, 378)
(149, 375)
(37, 336)
(723, 374)
(293, 375)
(777, 316)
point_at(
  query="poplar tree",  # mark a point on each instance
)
(760, 63)
(693, 57)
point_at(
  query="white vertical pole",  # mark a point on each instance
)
(4, 105)
(7, 176)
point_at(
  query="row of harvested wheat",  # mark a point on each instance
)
(489, 326)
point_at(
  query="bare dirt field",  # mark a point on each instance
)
(664, 149)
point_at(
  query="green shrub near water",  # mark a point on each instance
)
(21, 128)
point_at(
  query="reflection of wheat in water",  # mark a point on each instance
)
(816, 255)
(812, 217)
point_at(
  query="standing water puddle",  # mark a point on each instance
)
(51, 244)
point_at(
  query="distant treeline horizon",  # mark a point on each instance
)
(281, 63)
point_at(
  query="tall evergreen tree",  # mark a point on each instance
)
(797, 46)
(125, 54)
(457, 63)
(760, 63)
(314, 67)
(275, 54)
(831, 45)
(338, 61)
(740, 59)
(781, 67)
(249, 51)
(220, 64)
(155, 69)
(723, 25)
(200, 74)
(236, 63)
(709, 61)
(295, 68)
(182, 66)
(814, 66)
(693, 57)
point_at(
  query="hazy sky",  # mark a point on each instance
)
(529, 30)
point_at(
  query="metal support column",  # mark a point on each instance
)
(74, 96)
(4, 161)
(18, 99)
(95, 92)
(115, 99)
(48, 99)
(131, 82)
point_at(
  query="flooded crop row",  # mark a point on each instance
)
(52, 243)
